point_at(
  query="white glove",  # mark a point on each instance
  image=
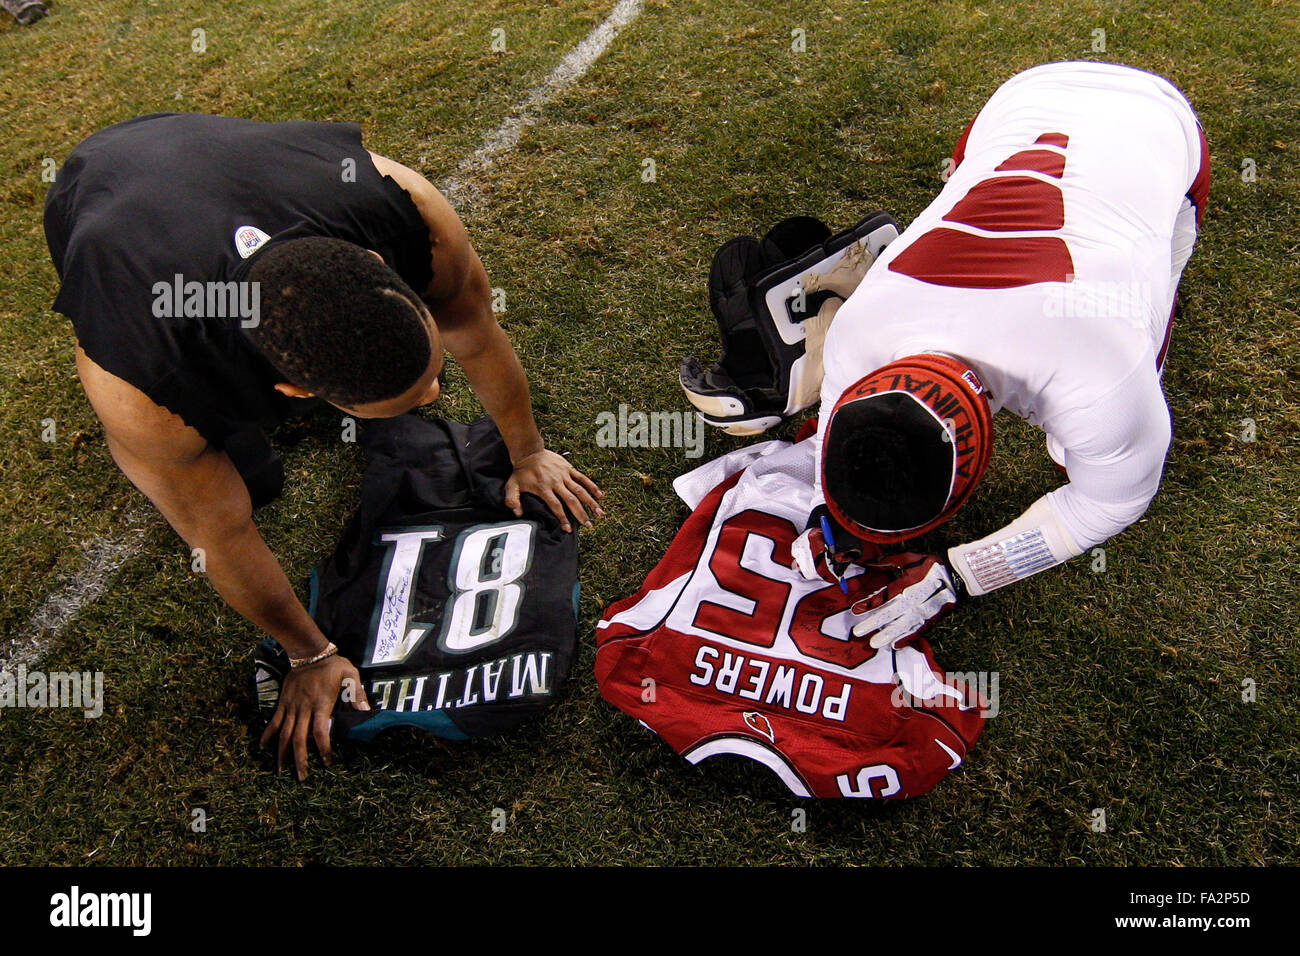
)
(814, 557)
(922, 592)
(805, 387)
(805, 560)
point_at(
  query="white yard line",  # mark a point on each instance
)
(105, 555)
(460, 189)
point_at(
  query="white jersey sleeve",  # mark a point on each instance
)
(1114, 455)
(1114, 473)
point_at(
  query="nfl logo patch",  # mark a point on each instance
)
(248, 239)
(971, 379)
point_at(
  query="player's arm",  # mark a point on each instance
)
(202, 496)
(1104, 497)
(460, 298)
(1115, 453)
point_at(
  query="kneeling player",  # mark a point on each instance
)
(223, 275)
(1042, 281)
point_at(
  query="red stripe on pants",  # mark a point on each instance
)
(1199, 194)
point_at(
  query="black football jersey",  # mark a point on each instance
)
(460, 616)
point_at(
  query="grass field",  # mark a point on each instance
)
(1120, 690)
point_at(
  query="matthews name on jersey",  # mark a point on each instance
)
(1049, 264)
(460, 616)
(727, 650)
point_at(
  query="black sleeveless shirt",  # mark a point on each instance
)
(172, 194)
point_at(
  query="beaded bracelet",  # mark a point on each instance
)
(330, 651)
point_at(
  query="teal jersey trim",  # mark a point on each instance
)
(434, 721)
(315, 593)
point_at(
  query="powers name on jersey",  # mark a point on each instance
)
(727, 650)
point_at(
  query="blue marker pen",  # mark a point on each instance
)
(830, 545)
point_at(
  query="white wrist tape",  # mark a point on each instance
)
(1033, 542)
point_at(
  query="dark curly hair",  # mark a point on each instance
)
(336, 320)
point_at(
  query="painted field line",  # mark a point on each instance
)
(104, 557)
(460, 188)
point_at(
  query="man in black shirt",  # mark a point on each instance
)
(224, 274)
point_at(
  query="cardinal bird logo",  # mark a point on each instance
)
(760, 724)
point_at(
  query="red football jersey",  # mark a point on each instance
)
(727, 650)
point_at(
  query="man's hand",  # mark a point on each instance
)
(306, 703)
(550, 477)
(816, 557)
(923, 589)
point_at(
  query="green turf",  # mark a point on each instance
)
(1119, 690)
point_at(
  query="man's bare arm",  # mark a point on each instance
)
(201, 494)
(460, 299)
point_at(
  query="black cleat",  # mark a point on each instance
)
(25, 11)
